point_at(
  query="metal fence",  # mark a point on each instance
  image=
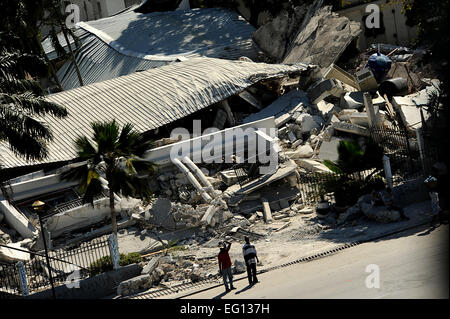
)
(410, 156)
(313, 185)
(66, 264)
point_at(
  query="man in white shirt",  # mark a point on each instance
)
(250, 257)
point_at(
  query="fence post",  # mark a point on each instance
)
(23, 283)
(371, 116)
(387, 170)
(419, 137)
(114, 250)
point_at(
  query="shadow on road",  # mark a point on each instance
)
(221, 295)
(243, 289)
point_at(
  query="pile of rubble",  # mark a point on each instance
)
(170, 270)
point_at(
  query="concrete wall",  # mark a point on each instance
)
(96, 287)
(161, 155)
(413, 191)
(396, 30)
(112, 7)
(38, 186)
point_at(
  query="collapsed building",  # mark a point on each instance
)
(300, 110)
(147, 101)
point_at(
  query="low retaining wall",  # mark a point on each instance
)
(96, 287)
(410, 192)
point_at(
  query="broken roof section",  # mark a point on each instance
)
(130, 42)
(149, 99)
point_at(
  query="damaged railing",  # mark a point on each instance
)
(73, 204)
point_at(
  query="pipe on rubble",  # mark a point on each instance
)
(192, 179)
(191, 165)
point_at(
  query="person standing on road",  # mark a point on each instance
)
(225, 266)
(250, 257)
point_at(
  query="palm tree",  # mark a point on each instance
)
(21, 102)
(55, 19)
(115, 158)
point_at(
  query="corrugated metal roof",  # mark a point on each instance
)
(131, 41)
(148, 99)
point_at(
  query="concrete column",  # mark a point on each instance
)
(387, 170)
(373, 121)
(267, 213)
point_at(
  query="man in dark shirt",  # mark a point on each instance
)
(225, 266)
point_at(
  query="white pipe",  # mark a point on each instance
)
(192, 179)
(191, 165)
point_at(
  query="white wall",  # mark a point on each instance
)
(394, 24)
(113, 6)
(38, 186)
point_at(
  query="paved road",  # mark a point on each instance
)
(412, 264)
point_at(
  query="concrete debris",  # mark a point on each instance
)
(274, 36)
(151, 265)
(134, 285)
(310, 41)
(325, 88)
(267, 213)
(329, 150)
(239, 266)
(351, 128)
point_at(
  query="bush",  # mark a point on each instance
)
(104, 264)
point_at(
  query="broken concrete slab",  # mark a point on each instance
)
(336, 72)
(282, 172)
(351, 128)
(282, 108)
(160, 214)
(308, 122)
(303, 151)
(274, 36)
(323, 89)
(409, 112)
(313, 166)
(355, 100)
(208, 216)
(134, 285)
(329, 150)
(311, 41)
(17, 220)
(267, 213)
(151, 265)
(328, 109)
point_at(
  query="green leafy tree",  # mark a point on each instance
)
(348, 184)
(115, 156)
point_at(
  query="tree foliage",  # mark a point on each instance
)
(116, 156)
